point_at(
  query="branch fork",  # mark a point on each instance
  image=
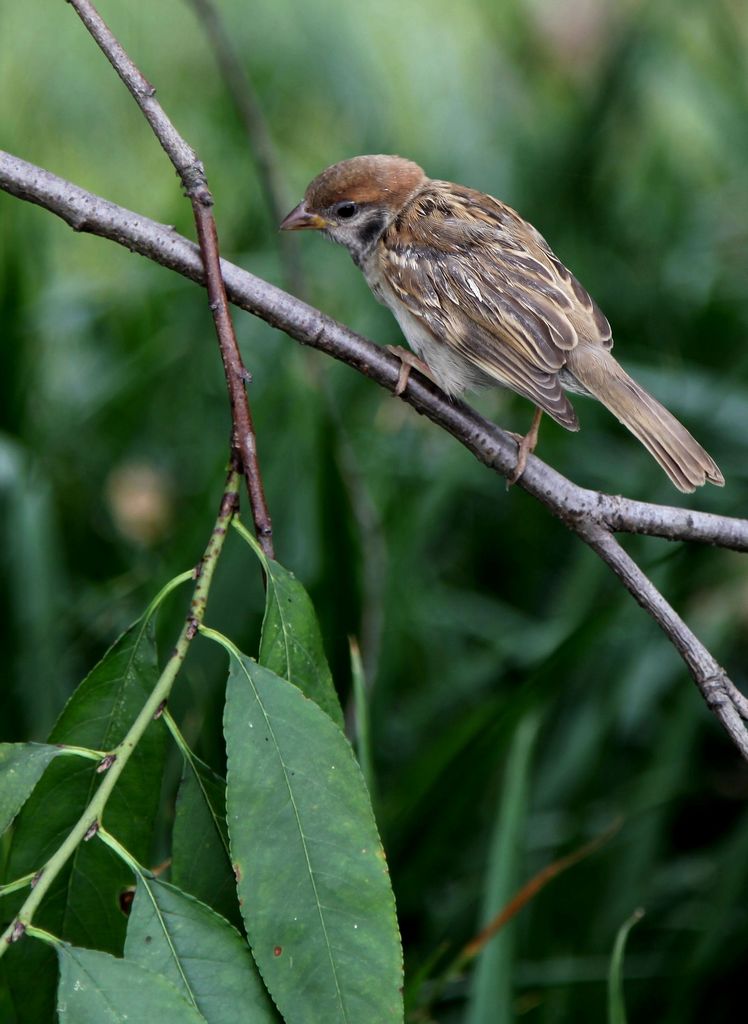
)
(592, 516)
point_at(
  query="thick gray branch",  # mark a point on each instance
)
(589, 514)
(84, 211)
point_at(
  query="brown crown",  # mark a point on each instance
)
(365, 179)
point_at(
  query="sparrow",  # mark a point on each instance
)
(483, 300)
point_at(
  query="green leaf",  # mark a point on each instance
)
(361, 706)
(291, 641)
(312, 875)
(96, 987)
(21, 767)
(492, 987)
(201, 861)
(82, 905)
(616, 1002)
(198, 951)
(29, 979)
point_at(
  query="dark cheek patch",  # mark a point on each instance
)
(371, 229)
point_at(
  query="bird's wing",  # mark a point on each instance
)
(485, 282)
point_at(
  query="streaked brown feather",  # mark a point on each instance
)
(487, 284)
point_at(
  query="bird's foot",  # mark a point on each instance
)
(525, 446)
(408, 361)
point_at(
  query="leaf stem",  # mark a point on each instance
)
(40, 933)
(213, 634)
(243, 532)
(90, 755)
(188, 574)
(176, 735)
(114, 844)
(19, 883)
(89, 822)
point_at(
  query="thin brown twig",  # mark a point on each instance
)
(455, 967)
(527, 892)
(238, 82)
(522, 897)
(589, 514)
(192, 175)
(718, 690)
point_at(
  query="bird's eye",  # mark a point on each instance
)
(346, 210)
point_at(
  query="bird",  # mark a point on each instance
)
(483, 300)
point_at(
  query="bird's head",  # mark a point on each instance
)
(354, 201)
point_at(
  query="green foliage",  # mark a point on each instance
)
(96, 986)
(492, 992)
(290, 641)
(311, 872)
(200, 858)
(197, 951)
(616, 1004)
(21, 767)
(619, 131)
(82, 906)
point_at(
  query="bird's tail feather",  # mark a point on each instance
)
(681, 456)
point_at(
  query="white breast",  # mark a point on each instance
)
(451, 371)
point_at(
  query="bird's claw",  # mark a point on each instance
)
(525, 446)
(408, 362)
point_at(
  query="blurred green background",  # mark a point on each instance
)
(619, 130)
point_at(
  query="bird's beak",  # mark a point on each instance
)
(302, 218)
